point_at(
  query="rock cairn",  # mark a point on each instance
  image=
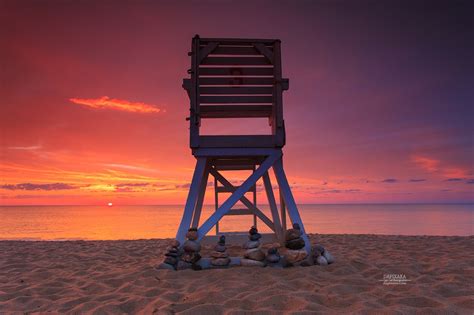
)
(254, 256)
(295, 244)
(191, 254)
(171, 256)
(220, 257)
(273, 257)
(322, 256)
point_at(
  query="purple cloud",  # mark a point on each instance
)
(389, 180)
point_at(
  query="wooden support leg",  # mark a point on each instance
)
(273, 207)
(282, 211)
(237, 194)
(289, 200)
(200, 200)
(192, 197)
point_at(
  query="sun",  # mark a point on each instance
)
(110, 204)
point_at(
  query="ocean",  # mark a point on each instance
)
(145, 222)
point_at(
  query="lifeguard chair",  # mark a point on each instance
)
(237, 78)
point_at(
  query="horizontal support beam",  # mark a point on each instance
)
(235, 99)
(251, 141)
(235, 111)
(240, 212)
(240, 61)
(232, 90)
(236, 81)
(236, 71)
(244, 152)
(227, 189)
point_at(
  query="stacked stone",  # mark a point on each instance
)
(322, 256)
(220, 257)
(253, 256)
(295, 253)
(191, 254)
(171, 257)
(273, 257)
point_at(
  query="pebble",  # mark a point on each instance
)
(219, 255)
(295, 243)
(253, 230)
(255, 237)
(273, 258)
(329, 258)
(220, 262)
(191, 257)
(251, 263)
(192, 235)
(220, 248)
(191, 246)
(251, 244)
(182, 265)
(292, 234)
(171, 260)
(165, 266)
(171, 254)
(319, 248)
(321, 261)
(255, 254)
(175, 243)
(293, 256)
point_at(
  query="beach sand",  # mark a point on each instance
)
(119, 277)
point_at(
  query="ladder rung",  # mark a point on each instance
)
(223, 189)
(239, 212)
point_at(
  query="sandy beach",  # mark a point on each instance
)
(120, 277)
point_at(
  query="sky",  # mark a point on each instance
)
(379, 108)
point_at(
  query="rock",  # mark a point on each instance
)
(293, 256)
(253, 230)
(295, 243)
(255, 237)
(251, 263)
(221, 240)
(220, 248)
(171, 254)
(319, 248)
(175, 243)
(165, 266)
(285, 263)
(171, 260)
(220, 262)
(172, 249)
(273, 258)
(191, 246)
(192, 235)
(272, 250)
(219, 255)
(251, 244)
(255, 254)
(196, 267)
(182, 265)
(292, 234)
(191, 257)
(321, 261)
(329, 258)
(308, 261)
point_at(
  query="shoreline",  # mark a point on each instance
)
(120, 276)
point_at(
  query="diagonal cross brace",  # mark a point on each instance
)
(238, 193)
(244, 199)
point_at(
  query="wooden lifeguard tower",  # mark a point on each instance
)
(237, 78)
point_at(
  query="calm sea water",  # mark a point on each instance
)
(136, 222)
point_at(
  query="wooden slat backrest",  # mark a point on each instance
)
(232, 78)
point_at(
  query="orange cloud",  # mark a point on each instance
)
(111, 103)
(428, 164)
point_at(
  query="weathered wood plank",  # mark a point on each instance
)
(264, 51)
(236, 81)
(233, 50)
(235, 99)
(233, 71)
(221, 61)
(191, 200)
(228, 189)
(238, 41)
(239, 212)
(235, 111)
(252, 141)
(290, 201)
(206, 50)
(273, 207)
(239, 193)
(200, 199)
(234, 90)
